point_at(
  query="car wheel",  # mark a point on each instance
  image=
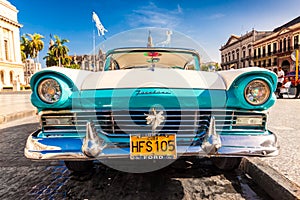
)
(227, 164)
(79, 166)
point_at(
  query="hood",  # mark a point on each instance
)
(153, 78)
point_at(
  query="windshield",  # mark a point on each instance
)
(132, 58)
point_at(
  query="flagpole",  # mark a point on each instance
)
(94, 47)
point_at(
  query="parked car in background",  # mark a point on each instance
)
(151, 103)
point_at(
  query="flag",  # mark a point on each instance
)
(98, 24)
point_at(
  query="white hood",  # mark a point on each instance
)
(158, 77)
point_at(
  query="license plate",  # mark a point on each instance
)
(153, 147)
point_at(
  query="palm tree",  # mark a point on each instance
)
(59, 50)
(24, 48)
(51, 60)
(35, 44)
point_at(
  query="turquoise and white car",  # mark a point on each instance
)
(151, 103)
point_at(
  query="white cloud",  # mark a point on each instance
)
(153, 16)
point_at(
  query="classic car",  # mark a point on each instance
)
(151, 104)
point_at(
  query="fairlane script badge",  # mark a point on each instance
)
(140, 92)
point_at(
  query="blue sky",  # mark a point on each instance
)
(209, 22)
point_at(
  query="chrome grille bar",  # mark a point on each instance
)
(134, 121)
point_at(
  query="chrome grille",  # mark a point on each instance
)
(134, 121)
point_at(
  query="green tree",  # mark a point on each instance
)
(35, 44)
(60, 50)
(51, 60)
(24, 48)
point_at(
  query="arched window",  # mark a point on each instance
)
(249, 50)
(244, 52)
(11, 77)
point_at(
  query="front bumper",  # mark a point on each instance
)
(95, 146)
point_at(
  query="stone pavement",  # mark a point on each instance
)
(15, 105)
(279, 175)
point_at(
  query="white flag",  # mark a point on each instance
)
(99, 26)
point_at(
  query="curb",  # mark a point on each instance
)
(274, 183)
(17, 115)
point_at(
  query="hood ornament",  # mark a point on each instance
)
(155, 119)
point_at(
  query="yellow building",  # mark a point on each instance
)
(11, 67)
(276, 49)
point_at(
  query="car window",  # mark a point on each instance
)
(134, 59)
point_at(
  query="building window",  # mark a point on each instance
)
(284, 45)
(11, 77)
(289, 44)
(259, 52)
(296, 41)
(233, 55)
(249, 52)
(280, 46)
(264, 51)
(274, 47)
(269, 49)
(6, 50)
(2, 77)
(275, 62)
(254, 53)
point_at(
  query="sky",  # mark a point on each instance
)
(209, 22)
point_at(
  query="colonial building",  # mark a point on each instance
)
(238, 50)
(276, 49)
(11, 67)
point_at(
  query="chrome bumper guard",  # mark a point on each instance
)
(93, 147)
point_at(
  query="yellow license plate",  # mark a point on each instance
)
(153, 147)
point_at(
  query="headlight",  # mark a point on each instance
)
(49, 91)
(257, 92)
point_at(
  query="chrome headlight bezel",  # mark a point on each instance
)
(257, 92)
(49, 90)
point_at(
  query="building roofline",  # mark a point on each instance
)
(10, 21)
(288, 24)
(8, 5)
